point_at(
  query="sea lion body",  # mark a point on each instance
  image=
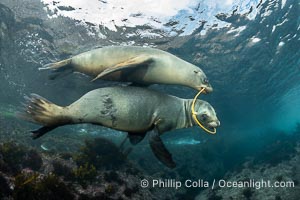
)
(129, 109)
(141, 65)
(134, 110)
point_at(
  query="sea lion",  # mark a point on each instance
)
(139, 65)
(134, 110)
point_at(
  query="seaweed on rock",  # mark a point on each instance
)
(85, 174)
(37, 186)
(4, 187)
(62, 178)
(101, 153)
(14, 157)
(64, 169)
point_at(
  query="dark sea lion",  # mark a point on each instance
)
(139, 65)
(131, 109)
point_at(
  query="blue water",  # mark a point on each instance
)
(254, 68)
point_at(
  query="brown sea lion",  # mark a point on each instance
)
(139, 65)
(130, 109)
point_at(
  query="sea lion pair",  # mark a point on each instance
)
(131, 109)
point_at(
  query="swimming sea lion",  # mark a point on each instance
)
(131, 109)
(139, 65)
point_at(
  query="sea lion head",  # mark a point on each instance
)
(198, 80)
(206, 114)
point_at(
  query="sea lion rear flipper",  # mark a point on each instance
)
(136, 138)
(138, 61)
(41, 131)
(159, 150)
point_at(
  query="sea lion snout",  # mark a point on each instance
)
(214, 124)
(207, 115)
(207, 88)
(200, 81)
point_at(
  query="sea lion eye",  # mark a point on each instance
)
(205, 80)
(196, 72)
(204, 117)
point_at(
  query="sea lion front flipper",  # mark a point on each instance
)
(135, 138)
(138, 61)
(159, 149)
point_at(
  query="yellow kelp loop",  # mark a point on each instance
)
(195, 116)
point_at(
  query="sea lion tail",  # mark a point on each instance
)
(41, 111)
(59, 69)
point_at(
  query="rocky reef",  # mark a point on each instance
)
(97, 171)
(272, 172)
(71, 166)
